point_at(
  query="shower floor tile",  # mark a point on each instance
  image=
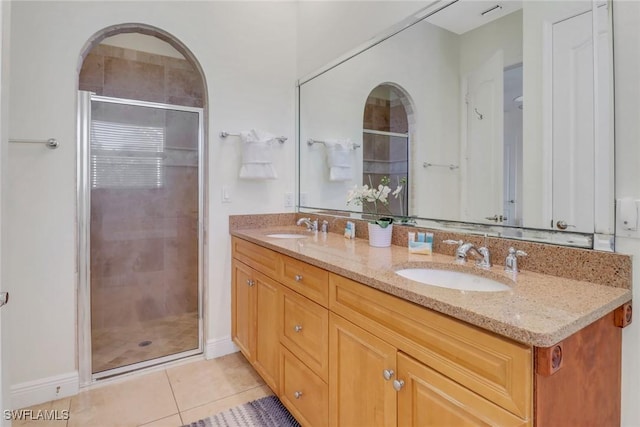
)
(120, 346)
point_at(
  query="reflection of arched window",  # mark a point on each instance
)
(385, 142)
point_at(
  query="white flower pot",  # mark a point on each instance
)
(380, 237)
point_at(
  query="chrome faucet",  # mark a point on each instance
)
(481, 254)
(311, 225)
(511, 263)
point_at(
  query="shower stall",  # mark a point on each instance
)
(140, 204)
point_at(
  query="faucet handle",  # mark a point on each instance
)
(325, 226)
(518, 252)
(485, 262)
(511, 263)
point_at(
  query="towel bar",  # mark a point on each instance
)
(223, 134)
(50, 143)
(311, 141)
(451, 167)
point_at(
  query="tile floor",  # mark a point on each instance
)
(168, 398)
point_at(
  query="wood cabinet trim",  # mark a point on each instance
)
(623, 315)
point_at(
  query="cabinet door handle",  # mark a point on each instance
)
(297, 328)
(250, 282)
(398, 384)
(388, 374)
(297, 394)
(298, 277)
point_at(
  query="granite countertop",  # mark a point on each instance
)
(539, 310)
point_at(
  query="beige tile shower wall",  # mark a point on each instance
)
(126, 73)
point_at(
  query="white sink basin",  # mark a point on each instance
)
(286, 236)
(452, 280)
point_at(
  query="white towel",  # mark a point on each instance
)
(256, 155)
(339, 159)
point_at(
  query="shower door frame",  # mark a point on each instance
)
(86, 376)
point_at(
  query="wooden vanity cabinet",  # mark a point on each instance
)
(340, 353)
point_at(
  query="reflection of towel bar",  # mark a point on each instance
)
(50, 143)
(223, 134)
(451, 167)
(315, 141)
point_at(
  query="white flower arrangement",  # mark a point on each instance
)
(366, 195)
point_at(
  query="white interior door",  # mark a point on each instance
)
(574, 130)
(482, 148)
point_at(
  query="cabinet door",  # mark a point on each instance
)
(243, 309)
(428, 398)
(267, 349)
(360, 395)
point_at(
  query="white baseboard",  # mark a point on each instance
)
(43, 390)
(219, 347)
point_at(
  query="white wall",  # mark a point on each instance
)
(476, 46)
(329, 29)
(247, 51)
(626, 16)
(5, 25)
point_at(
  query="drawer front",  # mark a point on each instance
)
(262, 259)
(303, 392)
(305, 331)
(306, 279)
(492, 366)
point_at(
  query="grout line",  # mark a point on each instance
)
(153, 421)
(173, 393)
(221, 398)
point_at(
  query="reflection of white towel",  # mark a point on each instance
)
(256, 155)
(339, 159)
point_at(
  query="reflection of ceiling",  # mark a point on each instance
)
(465, 15)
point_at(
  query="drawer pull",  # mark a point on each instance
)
(298, 277)
(297, 328)
(388, 374)
(297, 394)
(250, 282)
(398, 384)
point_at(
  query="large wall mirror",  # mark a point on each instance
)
(497, 116)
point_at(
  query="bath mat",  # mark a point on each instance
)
(267, 411)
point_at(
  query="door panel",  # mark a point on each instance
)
(431, 399)
(144, 244)
(482, 150)
(360, 394)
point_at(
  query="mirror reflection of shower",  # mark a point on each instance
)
(385, 142)
(513, 109)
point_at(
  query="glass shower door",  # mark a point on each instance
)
(145, 178)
